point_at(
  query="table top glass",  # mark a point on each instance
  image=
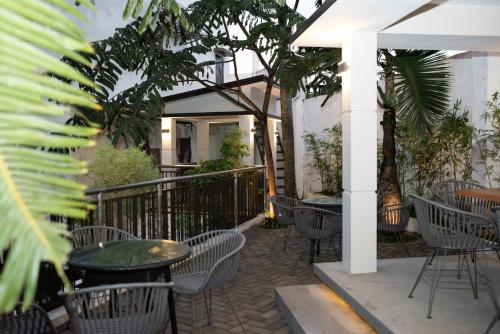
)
(129, 255)
(323, 201)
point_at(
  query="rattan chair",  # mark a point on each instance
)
(214, 260)
(283, 213)
(394, 219)
(93, 235)
(448, 229)
(446, 192)
(317, 225)
(131, 308)
(32, 321)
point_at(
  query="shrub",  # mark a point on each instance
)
(232, 149)
(111, 166)
(489, 141)
(326, 157)
(445, 153)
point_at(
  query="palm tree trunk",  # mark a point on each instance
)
(271, 175)
(288, 143)
(389, 191)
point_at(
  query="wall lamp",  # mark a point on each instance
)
(165, 130)
(253, 130)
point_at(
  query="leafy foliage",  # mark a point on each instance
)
(112, 167)
(489, 141)
(424, 159)
(420, 84)
(34, 180)
(326, 157)
(232, 149)
(152, 15)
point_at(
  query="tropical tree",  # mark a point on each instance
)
(33, 176)
(417, 91)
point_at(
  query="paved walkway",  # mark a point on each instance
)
(248, 305)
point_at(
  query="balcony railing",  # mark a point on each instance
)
(170, 208)
(181, 207)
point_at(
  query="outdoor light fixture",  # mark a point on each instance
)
(165, 130)
(276, 132)
(253, 130)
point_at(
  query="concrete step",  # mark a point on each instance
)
(316, 309)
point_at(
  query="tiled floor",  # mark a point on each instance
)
(248, 304)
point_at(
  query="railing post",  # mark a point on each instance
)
(158, 204)
(100, 220)
(236, 200)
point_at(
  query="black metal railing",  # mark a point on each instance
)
(169, 208)
(168, 171)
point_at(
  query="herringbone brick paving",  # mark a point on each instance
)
(248, 305)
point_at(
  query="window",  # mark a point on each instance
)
(219, 68)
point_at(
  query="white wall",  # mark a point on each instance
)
(476, 76)
(308, 115)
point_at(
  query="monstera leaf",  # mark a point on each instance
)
(35, 181)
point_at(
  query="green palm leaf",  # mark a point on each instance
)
(34, 181)
(421, 85)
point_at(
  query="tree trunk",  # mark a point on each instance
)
(286, 104)
(271, 176)
(389, 191)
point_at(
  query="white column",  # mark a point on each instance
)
(202, 140)
(246, 124)
(359, 136)
(168, 141)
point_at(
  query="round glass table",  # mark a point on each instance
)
(127, 261)
(328, 203)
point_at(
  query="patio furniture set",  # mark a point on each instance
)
(127, 285)
(460, 219)
(319, 220)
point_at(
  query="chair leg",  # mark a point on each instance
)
(473, 281)
(208, 304)
(435, 282)
(198, 325)
(402, 244)
(428, 259)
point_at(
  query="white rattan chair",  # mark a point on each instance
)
(133, 308)
(34, 320)
(93, 235)
(214, 260)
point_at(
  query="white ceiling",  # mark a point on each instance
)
(416, 24)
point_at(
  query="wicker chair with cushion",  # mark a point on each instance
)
(32, 321)
(394, 219)
(120, 308)
(93, 235)
(446, 192)
(446, 229)
(283, 213)
(214, 260)
(317, 225)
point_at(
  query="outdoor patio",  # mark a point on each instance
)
(252, 293)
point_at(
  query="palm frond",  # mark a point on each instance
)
(422, 83)
(34, 181)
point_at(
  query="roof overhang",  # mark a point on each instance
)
(472, 25)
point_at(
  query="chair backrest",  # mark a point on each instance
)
(446, 227)
(446, 192)
(121, 308)
(316, 223)
(32, 321)
(93, 235)
(394, 218)
(216, 253)
(283, 208)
